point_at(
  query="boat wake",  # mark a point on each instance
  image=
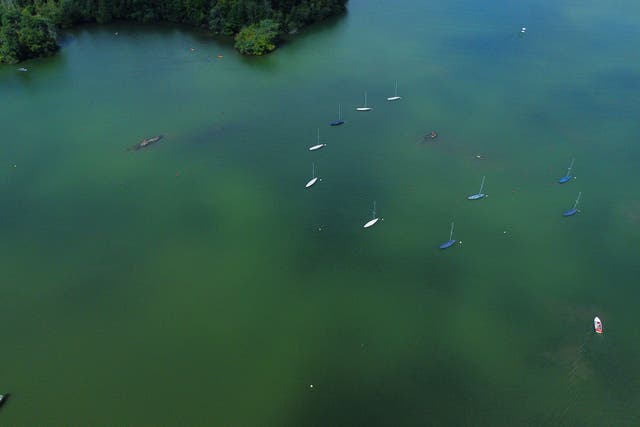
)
(585, 398)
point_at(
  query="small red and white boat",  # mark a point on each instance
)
(597, 325)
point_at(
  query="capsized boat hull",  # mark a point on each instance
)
(597, 325)
(371, 223)
(317, 147)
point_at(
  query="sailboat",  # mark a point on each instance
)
(567, 177)
(339, 121)
(365, 108)
(597, 325)
(449, 242)
(395, 97)
(479, 194)
(574, 209)
(318, 145)
(314, 178)
(373, 221)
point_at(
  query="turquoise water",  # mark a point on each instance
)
(198, 283)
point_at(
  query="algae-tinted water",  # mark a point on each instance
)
(198, 283)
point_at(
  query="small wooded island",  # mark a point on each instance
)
(28, 27)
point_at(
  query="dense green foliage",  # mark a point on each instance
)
(257, 39)
(27, 27)
(24, 33)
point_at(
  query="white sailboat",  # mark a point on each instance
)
(374, 220)
(314, 178)
(318, 145)
(395, 97)
(3, 398)
(479, 194)
(365, 108)
(597, 325)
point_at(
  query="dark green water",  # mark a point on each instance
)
(188, 284)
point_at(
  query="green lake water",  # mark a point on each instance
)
(198, 283)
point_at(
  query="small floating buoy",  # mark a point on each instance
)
(310, 385)
(220, 56)
(523, 30)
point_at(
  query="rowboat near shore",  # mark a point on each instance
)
(146, 143)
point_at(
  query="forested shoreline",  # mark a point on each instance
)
(28, 28)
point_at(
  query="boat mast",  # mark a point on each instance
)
(482, 185)
(451, 232)
(313, 170)
(396, 93)
(365, 99)
(374, 210)
(570, 167)
(577, 200)
(339, 112)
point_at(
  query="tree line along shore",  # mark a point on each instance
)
(28, 28)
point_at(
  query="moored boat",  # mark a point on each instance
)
(395, 97)
(597, 325)
(374, 218)
(451, 240)
(318, 145)
(147, 142)
(431, 136)
(339, 121)
(314, 178)
(365, 108)
(3, 398)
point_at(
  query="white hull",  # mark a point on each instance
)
(477, 196)
(363, 109)
(394, 98)
(310, 183)
(317, 147)
(597, 325)
(371, 223)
